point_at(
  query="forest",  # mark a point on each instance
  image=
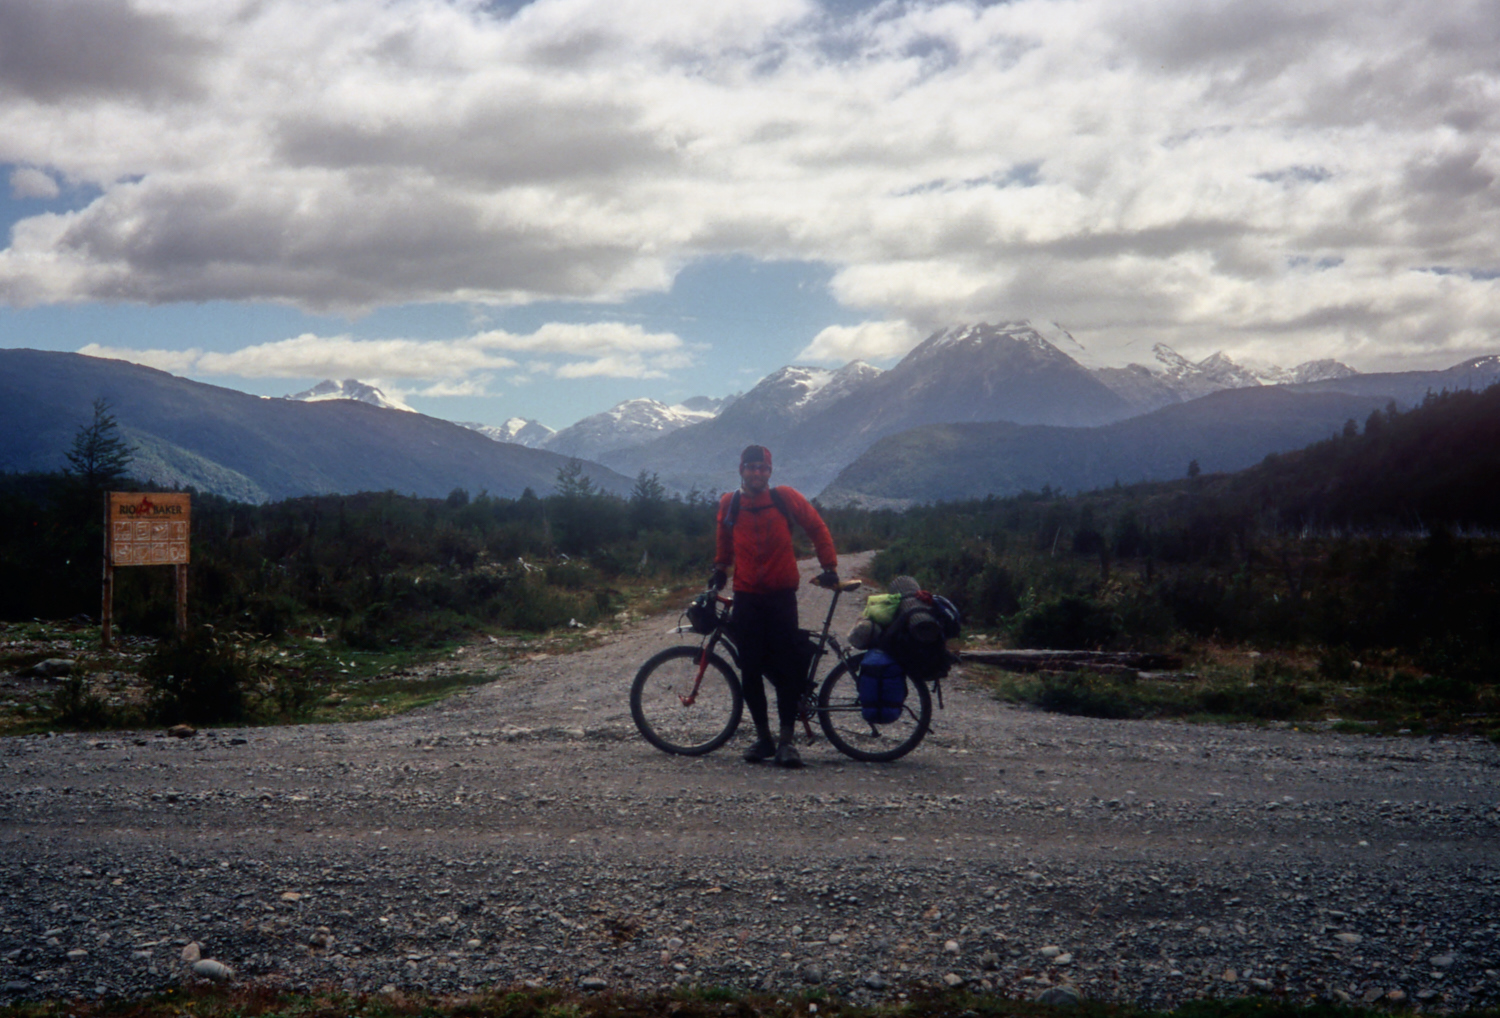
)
(1371, 554)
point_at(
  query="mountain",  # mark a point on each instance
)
(1409, 388)
(1176, 379)
(249, 448)
(969, 373)
(1226, 430)
(818, 422)
(1308, 371)
(350, 388)
(517, 430)
(626, 424)
(704, 455)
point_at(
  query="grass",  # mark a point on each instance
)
(302, 677)
(384, 698)
(707, 1002)
(1225, 685)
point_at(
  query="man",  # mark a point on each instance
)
(755, 540)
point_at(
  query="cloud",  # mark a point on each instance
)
(478, 386)
(30, 182)
(54, 51)
(454, 367)
(1136, 169)
(177, 362)
(867, 341)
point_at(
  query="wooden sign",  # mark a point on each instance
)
(144, 528)
(148, 529)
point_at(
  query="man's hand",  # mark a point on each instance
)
(717, 579)
(827, 578)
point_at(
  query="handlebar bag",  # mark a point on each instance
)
(882, 688)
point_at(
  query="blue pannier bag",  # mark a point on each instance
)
(882, 688)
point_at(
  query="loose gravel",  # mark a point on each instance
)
(522, 832)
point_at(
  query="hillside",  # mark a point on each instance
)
(254, 449)
(1437, 464)
(1223, 431)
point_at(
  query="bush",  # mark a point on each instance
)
(75, 705)
(202, 678)
(1069, 623)
(1336, 664)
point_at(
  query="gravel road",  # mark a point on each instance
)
(523, 832)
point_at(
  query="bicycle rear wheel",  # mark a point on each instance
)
(843, 720)
(674, 718)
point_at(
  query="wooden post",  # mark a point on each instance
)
(107, 611)
(182, 584)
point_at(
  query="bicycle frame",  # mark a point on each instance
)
(824, 640)
(683, 677)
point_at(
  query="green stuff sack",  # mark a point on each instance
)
(881, 608)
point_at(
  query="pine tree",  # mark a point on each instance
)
(99, 456)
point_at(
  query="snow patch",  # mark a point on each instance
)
(350, 388)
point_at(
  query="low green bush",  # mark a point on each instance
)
(200, 678)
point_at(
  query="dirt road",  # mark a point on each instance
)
(523, 831)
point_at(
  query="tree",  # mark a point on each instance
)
(1193, 468)
(648, 501)
(99, 456)
(572, 482)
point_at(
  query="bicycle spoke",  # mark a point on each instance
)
(844, 721)
(681, 706)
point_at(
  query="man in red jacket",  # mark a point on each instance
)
(755, 540)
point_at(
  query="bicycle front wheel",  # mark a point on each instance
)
(843, 720)
(679, 713)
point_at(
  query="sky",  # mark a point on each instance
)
(542, 209)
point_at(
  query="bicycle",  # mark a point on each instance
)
(687, 699)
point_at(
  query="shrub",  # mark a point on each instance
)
(1069, 623)
(75, 705)
(202, 677)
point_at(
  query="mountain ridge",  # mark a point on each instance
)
(249, 447)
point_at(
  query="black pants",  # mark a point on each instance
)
(765, 631)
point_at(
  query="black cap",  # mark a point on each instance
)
(755, 454)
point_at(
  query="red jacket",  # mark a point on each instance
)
(759, 545)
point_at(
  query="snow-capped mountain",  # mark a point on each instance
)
(974, 372)
(704, 455)
(786, 397)
(516, 431)
(816, 420)
(1308, 371)
(1175, 379)
(627, 424)
(350, 388)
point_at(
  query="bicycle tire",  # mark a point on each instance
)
(669, 724)
(840, 715)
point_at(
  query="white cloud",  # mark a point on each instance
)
(867, 341)
(478, 386)
(607, 349)
(177, 362)
(30, 182)
(1145, 169)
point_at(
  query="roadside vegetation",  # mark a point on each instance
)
(1353, 584)
(1358, 579)
(313, 608)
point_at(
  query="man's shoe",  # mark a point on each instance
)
(787, 755)
(760, 750)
